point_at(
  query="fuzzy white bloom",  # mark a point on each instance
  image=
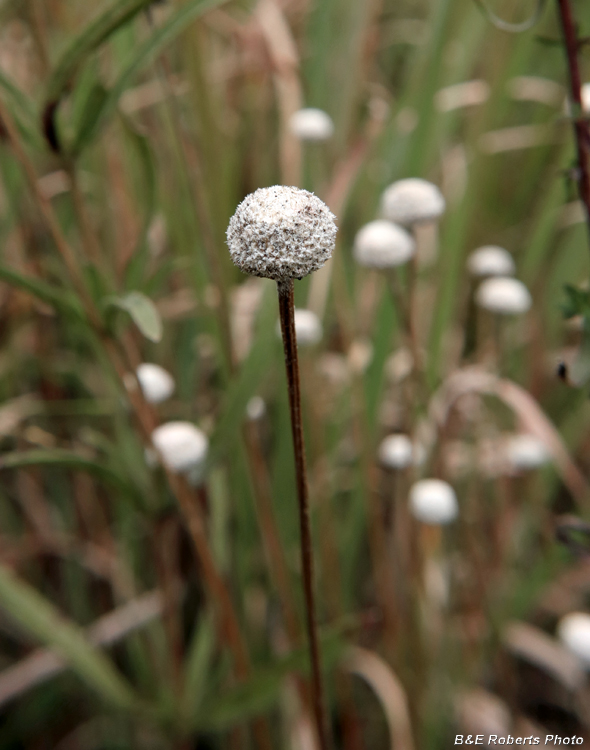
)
(412, 201)
(383, 244)
(573, 631)
(281, 233)
(503, 295)
(433, 501)
(156, 383)
(526, 452)
(183, 446)
(396, 451)
(311, 124)
(586, 97)
(308, 327)
(491, 260)
(255, 408)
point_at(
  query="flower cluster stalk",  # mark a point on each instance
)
(287, 318)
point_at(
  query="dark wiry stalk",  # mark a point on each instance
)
(581, 129)
(287, 317)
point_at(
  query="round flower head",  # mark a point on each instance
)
(433, 501)
(183, 446)
(396, 451)
(573, 631)
(156, 383)
(311, 125)
(412, 201)
(526, 452)
(281, 233)
(490, 260)
(503, 295)
(382, 244)
(255, 408)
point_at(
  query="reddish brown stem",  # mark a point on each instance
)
(582, 133)
(287, 317)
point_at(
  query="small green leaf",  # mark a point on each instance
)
(577, 302)
(144, 313)
(38, 616)
(22, 110)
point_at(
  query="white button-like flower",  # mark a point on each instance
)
(503, 295)
(182, 446)
(396, 451)
(526, 452)
(434, 502)
(573, 631)
(281, 233)
(255, 408)
(491, 260)
(383, 244)
(412, 201)
(311, 124)
(156, 383)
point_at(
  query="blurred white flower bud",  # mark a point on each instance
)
(434, 502)
(573, 631)
(255, 408)
(526, 452)
(281, 233)
(182, 446)
(586, 97)
(503, 295)
(383, 244)
(412, 201)
(491, 260)
(311, 124)
(308, 327)
(156, 383)
(396, 451)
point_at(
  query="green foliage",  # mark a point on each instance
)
(143, 312)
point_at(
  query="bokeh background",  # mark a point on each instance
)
(142, 608)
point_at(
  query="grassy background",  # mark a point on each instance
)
(164, 117)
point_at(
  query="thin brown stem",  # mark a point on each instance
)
(581, 130)
(287, 318)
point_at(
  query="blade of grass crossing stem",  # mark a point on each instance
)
(38, 616)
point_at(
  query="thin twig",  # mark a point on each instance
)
(582, 133)
(287, 318)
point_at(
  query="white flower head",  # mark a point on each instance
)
(526, 452)
(396, 451)
(434, 502)
(311, 124)
(503, 295)
(491, 260)
(182, 446)
(281, 233)
(412, 201)
(573, 631)
(308, 327)
(383, 244)
(586, 97)
(156, 383)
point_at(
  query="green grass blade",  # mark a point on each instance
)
(59, 299)
(143, 312)
(144, 55)
(39, 617)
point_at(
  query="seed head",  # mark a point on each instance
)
(281, 233)
(433, 501)
(526, 452)
(311, 125)
(183, 446)
(156, 383)
(383, 244)
(573, 631)
(412, 201)
(503, 295)
(490, 260)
